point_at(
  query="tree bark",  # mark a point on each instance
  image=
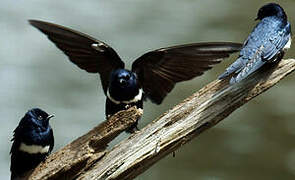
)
(134, 155)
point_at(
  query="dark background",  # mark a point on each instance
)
(255, 142)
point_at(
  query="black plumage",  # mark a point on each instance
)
(32, 142)
(153, 75)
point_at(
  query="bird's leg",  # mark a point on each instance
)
(133, 128)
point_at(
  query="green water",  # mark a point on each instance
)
(255, 142)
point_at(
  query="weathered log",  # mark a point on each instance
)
(203, 110)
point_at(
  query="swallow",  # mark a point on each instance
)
(153, 75)
(32, 142)
(267, 43)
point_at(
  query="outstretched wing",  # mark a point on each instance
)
(86, 52)
(159, 70)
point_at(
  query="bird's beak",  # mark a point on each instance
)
(50, 116)
(256, 19)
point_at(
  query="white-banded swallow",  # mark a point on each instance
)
(32, 142)
(153, 75)
(267, 43)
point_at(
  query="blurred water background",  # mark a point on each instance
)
(255, 142)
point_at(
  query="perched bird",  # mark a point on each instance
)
(266, 43)
(32, 142)
(153, 75)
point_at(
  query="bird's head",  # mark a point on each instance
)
(35, 120)
(123, 84)
(122, 79)
(271, 9)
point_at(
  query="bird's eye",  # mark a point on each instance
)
(40, 118)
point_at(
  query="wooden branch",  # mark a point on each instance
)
(185, 121)
(82, 153)
(176, 127)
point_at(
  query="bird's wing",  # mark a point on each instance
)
(234, 67)
(51, 143)
(276, 43)
(248, 66)
(16, 140)
(238, 64)
(159, 70)
(87, 53)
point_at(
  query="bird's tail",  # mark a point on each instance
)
(249, 68)
(234, 67)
